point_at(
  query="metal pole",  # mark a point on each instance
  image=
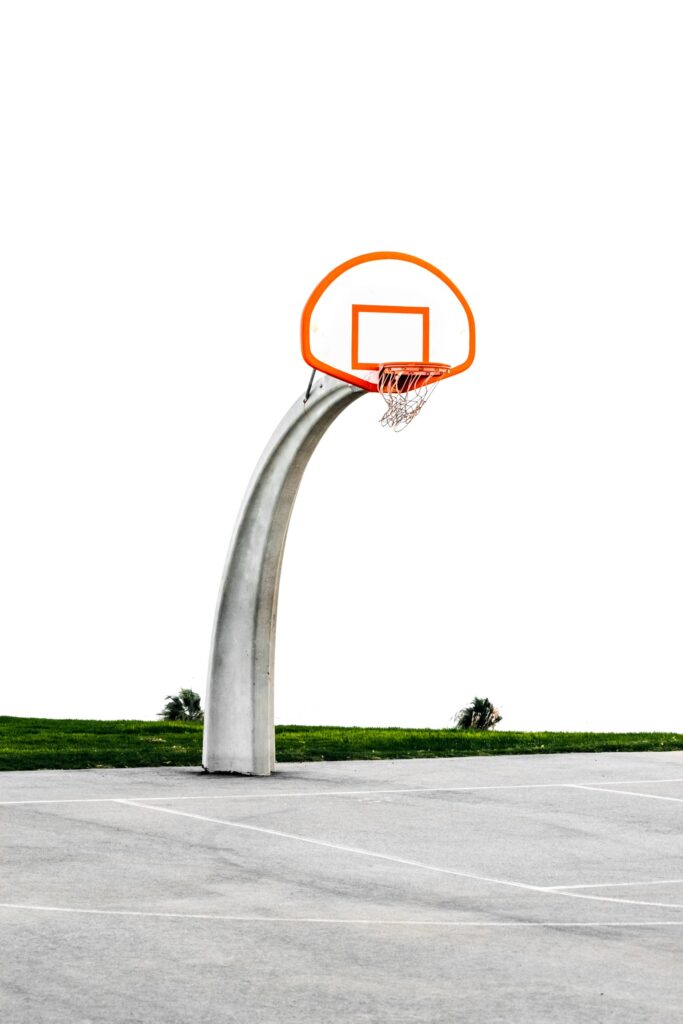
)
(239, 732)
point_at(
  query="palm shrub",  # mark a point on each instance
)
(184, 707)
(480, 714)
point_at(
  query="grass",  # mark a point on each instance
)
(325, 743)
(28, 743)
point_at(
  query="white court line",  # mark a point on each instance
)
(625, 792)
(62, 800)
(344, 792)
(324, 843)
(344, 920)
(617, 885)
(398, 860)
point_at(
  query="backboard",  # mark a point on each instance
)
(386, 308)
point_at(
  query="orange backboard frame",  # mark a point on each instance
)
(334, 371)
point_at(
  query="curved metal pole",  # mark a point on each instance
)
(239, 734)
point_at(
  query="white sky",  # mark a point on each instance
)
(176, 178)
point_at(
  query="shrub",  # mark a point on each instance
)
(184, 707)
(480, 714)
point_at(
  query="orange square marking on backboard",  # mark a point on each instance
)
(422, 311)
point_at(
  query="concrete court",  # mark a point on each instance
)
(519, 889)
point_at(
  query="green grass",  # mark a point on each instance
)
(327, 743)
(27, 743)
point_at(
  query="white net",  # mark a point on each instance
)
(405, 388)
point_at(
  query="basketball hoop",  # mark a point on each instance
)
(405, 387)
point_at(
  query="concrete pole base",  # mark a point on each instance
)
(239, 731)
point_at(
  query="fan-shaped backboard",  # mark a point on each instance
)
(385, 307)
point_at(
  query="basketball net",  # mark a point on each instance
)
(405, 387)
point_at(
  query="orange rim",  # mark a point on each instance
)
(424, 373)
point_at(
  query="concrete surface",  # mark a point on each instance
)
(516, 889)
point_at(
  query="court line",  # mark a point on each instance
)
(255, 919)
(625, 792)
(618, 885)
(406, 862)
(346, 792)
